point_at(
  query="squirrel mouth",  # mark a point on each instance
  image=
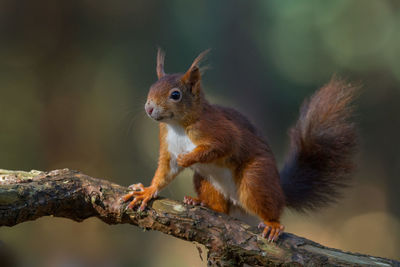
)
(160, 118)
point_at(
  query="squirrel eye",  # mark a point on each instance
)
(175, 95)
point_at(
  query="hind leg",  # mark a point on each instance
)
(207, 195)
(260, 193)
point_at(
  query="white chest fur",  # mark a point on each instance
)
(178, 141)
(220, 177)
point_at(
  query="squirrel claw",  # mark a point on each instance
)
(272, 230)
(139, 194)
(136, 187)
(126, 197)
(261, 225)
(192, 201)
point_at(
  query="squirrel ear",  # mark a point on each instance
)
(160, 63)
(193, 75)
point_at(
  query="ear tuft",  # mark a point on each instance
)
(193, 75)
(199, 58)
(160, 63)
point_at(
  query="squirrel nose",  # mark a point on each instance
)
(149, 110)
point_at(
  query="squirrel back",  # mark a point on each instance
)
(323, 142)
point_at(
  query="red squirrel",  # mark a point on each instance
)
(233, 165)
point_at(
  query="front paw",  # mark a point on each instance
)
(184, 160)
(140, 194)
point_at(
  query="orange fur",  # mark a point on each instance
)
(219, 140)
(163, 175)
(223, 137)
(208, 196)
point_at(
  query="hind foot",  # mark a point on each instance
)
(272, 230)
(194, 201)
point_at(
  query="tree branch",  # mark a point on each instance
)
(65, 193)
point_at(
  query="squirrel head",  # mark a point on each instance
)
(176, 98)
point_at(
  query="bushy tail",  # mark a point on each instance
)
(323, 142)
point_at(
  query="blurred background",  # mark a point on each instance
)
(74, 77)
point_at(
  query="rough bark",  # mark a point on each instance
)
(65, 193)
